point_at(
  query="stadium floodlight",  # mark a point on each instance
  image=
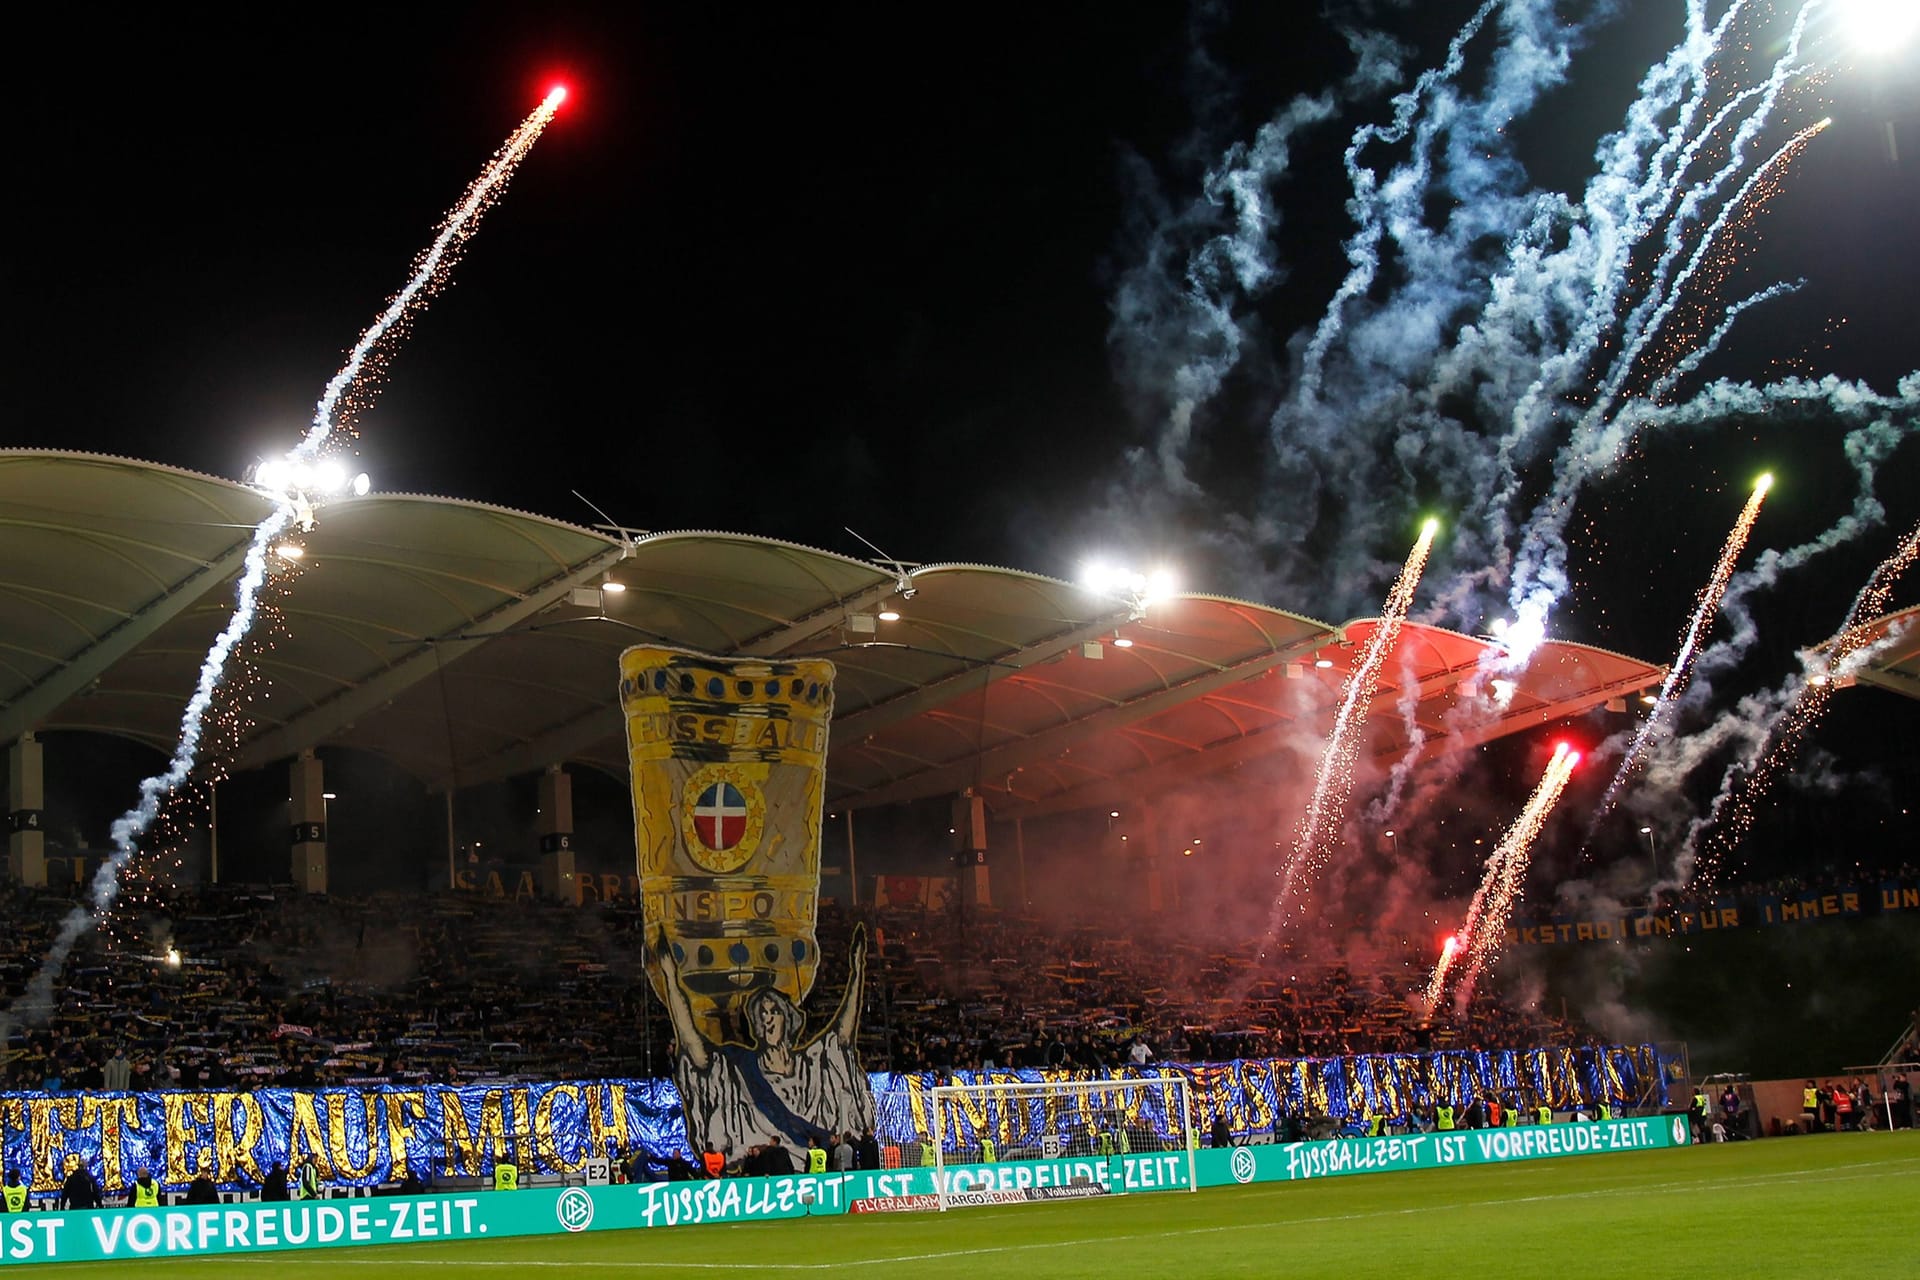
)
(1129, 586)
(1881, 26)
(1102, 1134)
(305, 483)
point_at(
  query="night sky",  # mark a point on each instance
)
(871, 255)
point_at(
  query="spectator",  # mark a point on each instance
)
(201, 1190)
(79, 1191)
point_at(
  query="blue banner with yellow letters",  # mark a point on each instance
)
(365, 1137)
(356, 1137)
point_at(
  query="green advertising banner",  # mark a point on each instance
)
(104, 1235)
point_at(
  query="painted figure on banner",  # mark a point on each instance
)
(728, 766)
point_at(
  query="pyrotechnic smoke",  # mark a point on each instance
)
(1479, 941)
(346, 393)
(1706, 604)
(1333, 779)
(1495, 346)
(1176, 326)
(1492, 346)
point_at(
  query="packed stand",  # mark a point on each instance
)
(246, 986)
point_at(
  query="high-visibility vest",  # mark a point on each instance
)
(1376, 1126)
(1606, 1111)
(1513, 1117)
(1543, 1113)
(1105, 1144)
(926, 1154)
(1701, 1104)
(988, 1152)
(146, 1195)
(1809, 1099)
(1443, 1117)
(307, 1186)
(1493, 1114)
(16, 1198)
(506, 1176)
(816, 1160)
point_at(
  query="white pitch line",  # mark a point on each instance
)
(1640, 1188)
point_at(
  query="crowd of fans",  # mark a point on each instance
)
(241, 986)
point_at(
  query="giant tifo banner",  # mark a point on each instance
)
(115, 1235)
(1839, 902)
(355, 1137)
(368, 1137)
(728, 762)
(1256, 1095)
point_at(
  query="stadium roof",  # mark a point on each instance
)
(470, 643)
(1892, 648)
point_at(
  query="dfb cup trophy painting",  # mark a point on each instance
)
(728, 762)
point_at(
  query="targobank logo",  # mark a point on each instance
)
(574, 1208)
(1242, 1165)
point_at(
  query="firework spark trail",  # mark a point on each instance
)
(1707, 244)
(1479, 940)
(1705, 606)
(1662, 287)
(1658, 393)
(430, 274)
(431, 270)
(1539, 574)
(1333, 780)
(1880, 425)
(1776, 724)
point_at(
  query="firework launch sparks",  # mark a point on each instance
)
(293, 485)
(1706, 604)
(1479, 940)
(1333, 779)
(1731, 813)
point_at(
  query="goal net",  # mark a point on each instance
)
(1091, 1137)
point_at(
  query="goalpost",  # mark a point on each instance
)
(1092, 1133)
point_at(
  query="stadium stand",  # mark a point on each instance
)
(267, 986)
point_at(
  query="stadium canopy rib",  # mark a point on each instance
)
(1890, 654)
(469, 643)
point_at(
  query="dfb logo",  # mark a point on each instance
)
(574, 1208)
(1242, 1165)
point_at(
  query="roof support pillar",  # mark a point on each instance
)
(554, 823)
(307, 810)
(26, 813)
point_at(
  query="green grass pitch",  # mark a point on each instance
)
(1839, 1205)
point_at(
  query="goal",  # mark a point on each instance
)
(1013, 1140)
